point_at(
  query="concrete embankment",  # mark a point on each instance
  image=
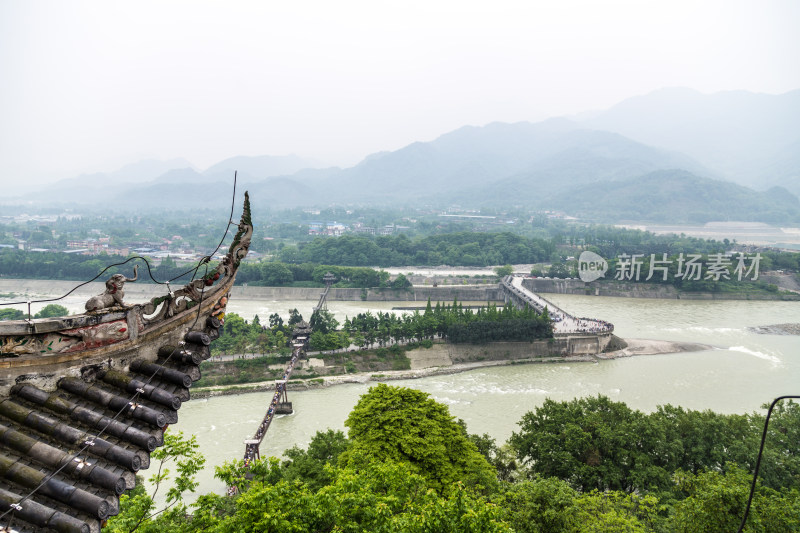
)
(442, 359)
(642, 290)
(560, 346)
(29, 288)
(23, 288)
(465, 293)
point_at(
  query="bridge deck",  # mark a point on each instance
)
(252, 445)
(564, 323)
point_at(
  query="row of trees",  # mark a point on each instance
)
(348, 257)
(463, 248)
(406, 465)
(598, 444)
(58, 265)
(277, 274)
(498, 248)
(451, 321)
(48, 311)
(729, 274)
(240, 336)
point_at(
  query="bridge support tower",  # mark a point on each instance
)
(284, 406)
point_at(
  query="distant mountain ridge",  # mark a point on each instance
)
(257, 168)
(673, 148)
(88, 188)
(750, 138)
(157, 183)
(677, 197)
(471, 157)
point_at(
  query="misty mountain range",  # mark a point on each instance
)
(674, 155)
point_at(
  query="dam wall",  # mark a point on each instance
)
(630, 289)
(560, 346)
(33, 288)
(467, 293)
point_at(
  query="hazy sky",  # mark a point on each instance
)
(91, 86)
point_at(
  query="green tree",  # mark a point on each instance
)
(599, 512)
(52, 310)
(294, 317)
(541, 505)
(275, 321)
(780, 467)
(401, 282)
(503, 271)
(137, 508)
(323, 321)
(318, 341)
(11, 314)
(502, 458)
(381, 496)
(716, 502)
(314, 466)
(406, 425)
(276, 274)
(593, 443)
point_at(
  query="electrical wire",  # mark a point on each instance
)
(758, 460)
(132, 400)
(204, 261)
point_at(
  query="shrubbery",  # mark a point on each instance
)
(579, 466)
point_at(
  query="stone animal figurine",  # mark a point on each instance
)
(113, 295)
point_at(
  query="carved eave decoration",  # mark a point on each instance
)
(85, 399)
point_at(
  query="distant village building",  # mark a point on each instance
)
(331, 229)
(335, 229)
(470, 217)
(362, 229)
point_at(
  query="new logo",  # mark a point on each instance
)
(591, 266)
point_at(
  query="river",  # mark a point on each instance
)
(745, 371)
